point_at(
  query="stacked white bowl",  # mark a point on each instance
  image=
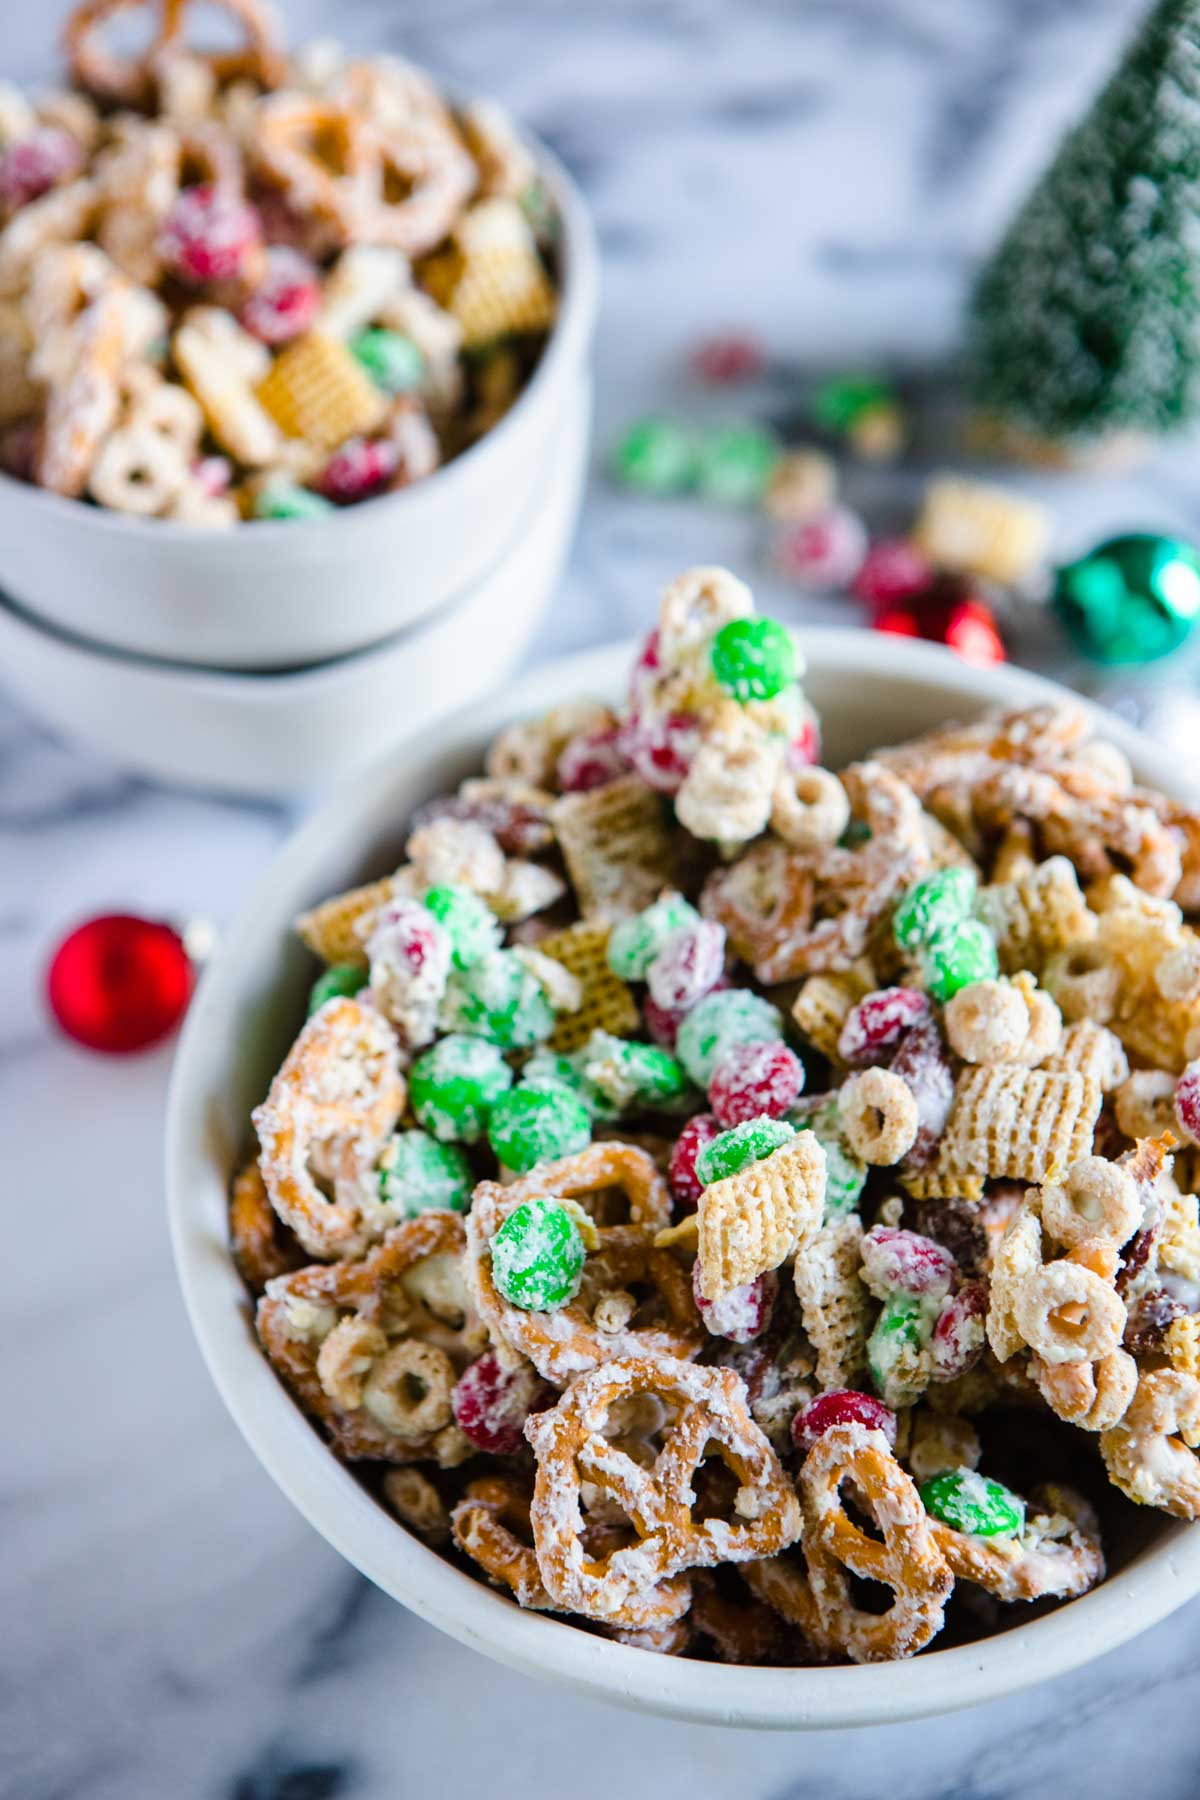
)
(277, 655)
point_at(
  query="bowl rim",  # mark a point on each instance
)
(282, 686)
(1160, 1579)
(572, 330)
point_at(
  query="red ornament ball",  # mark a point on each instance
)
(956, 619)
(119, 983)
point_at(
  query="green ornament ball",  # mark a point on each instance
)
(1131, 599)
(538, 1256)
(754, 659)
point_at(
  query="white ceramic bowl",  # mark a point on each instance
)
(255, 733)
(280, 595)
(869, 690)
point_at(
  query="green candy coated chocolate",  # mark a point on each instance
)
(845, 1174)
(536, 202)
(284, 499)
(958, 957)
(735, 1149)
(895, 1349)
(1131, 599)
(338, 982)
(940, 900)
(634, 1076)
(392, 360)
(656, 456)
(548, 1070)
(538, 1256)
(454, 1085)
(735, 464)
(534, 1125)
(471, 925)
(973, 1503)
(754, 659)
(718, 1022)
(499, 999)
(417, 1174)
(634, 943)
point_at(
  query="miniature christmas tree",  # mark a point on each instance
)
(1084, 324)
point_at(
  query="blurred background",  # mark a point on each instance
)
(822, 174)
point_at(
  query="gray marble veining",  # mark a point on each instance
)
(824, 170)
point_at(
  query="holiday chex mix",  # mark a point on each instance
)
(248, 285)
(685, 1135)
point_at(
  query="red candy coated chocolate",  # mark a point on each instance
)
(681, 1170)
(753, 1079)
(841, 1406)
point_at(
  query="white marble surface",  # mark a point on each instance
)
(171, 1628)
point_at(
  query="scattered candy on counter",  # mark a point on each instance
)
(1128, 601)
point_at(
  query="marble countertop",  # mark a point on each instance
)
(825, 173)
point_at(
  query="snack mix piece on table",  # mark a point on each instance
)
(252, 285)
(756, 1232)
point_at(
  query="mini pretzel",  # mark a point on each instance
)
(132, 81)
(710, 1414)
(742, 1630)
(1150, 1455)
(491, 1525)
(583, 1334)
(332, 160)
(348, 1338)
(1058, 1555)
(801, 912)
(262, 1246)
(336, 1098)
(781, 1582)
(908, 1559)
